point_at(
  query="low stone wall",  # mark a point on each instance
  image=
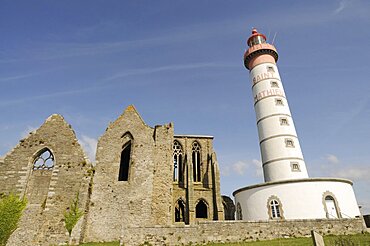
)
(236, 231)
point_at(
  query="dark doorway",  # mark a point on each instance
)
(201, 210)
(180, 211)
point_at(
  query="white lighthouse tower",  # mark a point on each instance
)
(280, 150)
(288, 192)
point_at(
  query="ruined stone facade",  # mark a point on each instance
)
(143, 176)
(157, 185)
(49, 168)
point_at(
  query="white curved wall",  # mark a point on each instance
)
(299, 200)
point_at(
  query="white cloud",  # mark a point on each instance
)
(257, 164)
(225, 170)
(354, 173)
(240, 167)
(332, 159)
(89, 145)
(27, 131)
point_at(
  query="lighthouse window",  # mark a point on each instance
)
(289, 143)
(295, 166)
(274, 84)
(275, 209)
(284, 122)
(270, 69)
(279, 102)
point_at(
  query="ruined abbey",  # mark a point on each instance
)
(144, 176)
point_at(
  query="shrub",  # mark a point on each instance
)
(11, 208)
(72, 215)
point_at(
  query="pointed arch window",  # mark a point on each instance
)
(177, 162)
(125, 162)
(201, 210)
(196, 161)
(44, 160)
(180, 211)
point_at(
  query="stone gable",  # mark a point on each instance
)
(49, 188)
(142, 199)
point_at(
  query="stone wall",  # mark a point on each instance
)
(208, 189)
(145, 198)
(50, 190)
(236, 231)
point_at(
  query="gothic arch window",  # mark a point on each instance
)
(44, 160)
(180, 211)
(274, 207)
(201, 209)
(239, 212)
(196, 161)
(177, 162)
(125, 162)
(331, 206)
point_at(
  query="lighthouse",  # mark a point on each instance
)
(280, 149)
(288, 192)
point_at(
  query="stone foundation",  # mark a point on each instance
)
(236, 231)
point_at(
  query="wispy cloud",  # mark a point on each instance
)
(354, 173)
(89, 145)
(332, 159)
(168, 68)
(16, 77)
(46, 96)
(241, 168)
(51, 51)
(342, 5)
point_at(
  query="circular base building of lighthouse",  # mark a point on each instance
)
(310, 198)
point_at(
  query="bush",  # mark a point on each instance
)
(11, 208)
(72, 215)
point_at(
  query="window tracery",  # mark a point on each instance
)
(44, 161)
(196, 149)
(177, 162)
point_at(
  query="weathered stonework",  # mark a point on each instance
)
(49, 191)
(236, 231)
(229, 208)
(149, 195)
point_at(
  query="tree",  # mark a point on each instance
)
(11, 208)
(72, 215)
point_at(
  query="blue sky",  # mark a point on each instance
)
(181, 62)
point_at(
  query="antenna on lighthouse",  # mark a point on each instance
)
(273, 40)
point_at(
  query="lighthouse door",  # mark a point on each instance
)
(331, 208)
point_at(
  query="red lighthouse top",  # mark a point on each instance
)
(259, 51)
(256, 38)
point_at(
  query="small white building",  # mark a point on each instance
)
(288, 192)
